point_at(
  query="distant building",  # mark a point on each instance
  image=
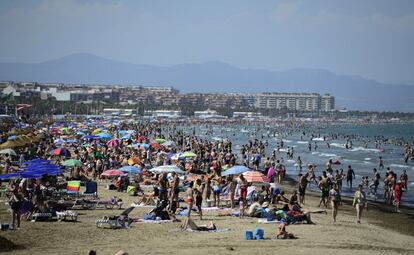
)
(208, 114)
(327, 103)
(169, 114)
(246, 114)
(118, 112)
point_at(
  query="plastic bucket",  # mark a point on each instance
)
(259, 233)
(249, 235)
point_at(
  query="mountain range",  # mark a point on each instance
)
(351, 92)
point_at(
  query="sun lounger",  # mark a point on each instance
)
(73, 188)
(84, 204)
(41, 216)
(116, 222)
(62, 216)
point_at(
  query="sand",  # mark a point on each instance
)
(373, 236)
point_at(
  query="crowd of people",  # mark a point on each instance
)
(147, 145)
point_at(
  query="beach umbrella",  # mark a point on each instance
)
(59, 141)
(12, 137)
(160, 140)
(134, 161)
(36, 161)
(169, 144)
(155, 145)
(10, 144)
(188, 154)
(130, 169)
(96, 131)
(71, 141)
(104, 135)
(10, 176)
(112, 173)
(90, 137)
(60, 151)
(167, 169)
(8, 151)
(144, 145)
(112, 143)
(80, 133)
(72, 163)
(126, 136)
(235, 170)
(255, 176)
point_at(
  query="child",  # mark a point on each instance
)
(282, 233)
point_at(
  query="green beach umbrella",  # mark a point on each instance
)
(160, 140)
(72, 163)
(188, 154)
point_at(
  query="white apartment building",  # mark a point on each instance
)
(291, 101)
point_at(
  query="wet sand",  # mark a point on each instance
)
(381, 232)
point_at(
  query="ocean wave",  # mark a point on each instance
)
(317, 139)
(302, 142)
(399, 166)
(337, 145)
(328, 155)
(364, 149)
(367, 159)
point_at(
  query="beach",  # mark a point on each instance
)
(381, 232)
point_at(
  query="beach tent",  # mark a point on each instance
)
(235, 170)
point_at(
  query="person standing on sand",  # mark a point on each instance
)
(323, 186)
(350, 176)
(397, 195)
(335, 198)
(189, 199)
(359, 202)
(303, 183)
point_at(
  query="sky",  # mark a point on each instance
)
(370, 38)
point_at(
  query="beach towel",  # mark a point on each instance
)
(142, 206)
(218, 230)
(73, 187)
(142, 221)
(266, 221)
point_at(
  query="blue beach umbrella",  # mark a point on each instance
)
(235, 170)
(130, 169)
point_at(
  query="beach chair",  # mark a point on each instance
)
(73, 188)
(66, 215)
(91, 189)
(116, 222)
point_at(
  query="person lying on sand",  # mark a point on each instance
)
(189, 223)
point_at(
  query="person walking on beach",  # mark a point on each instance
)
(335, 198)
(350, 176)
(380, 163)
(299, 164)
(359, 202)
(303, 183)
(373, 187)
